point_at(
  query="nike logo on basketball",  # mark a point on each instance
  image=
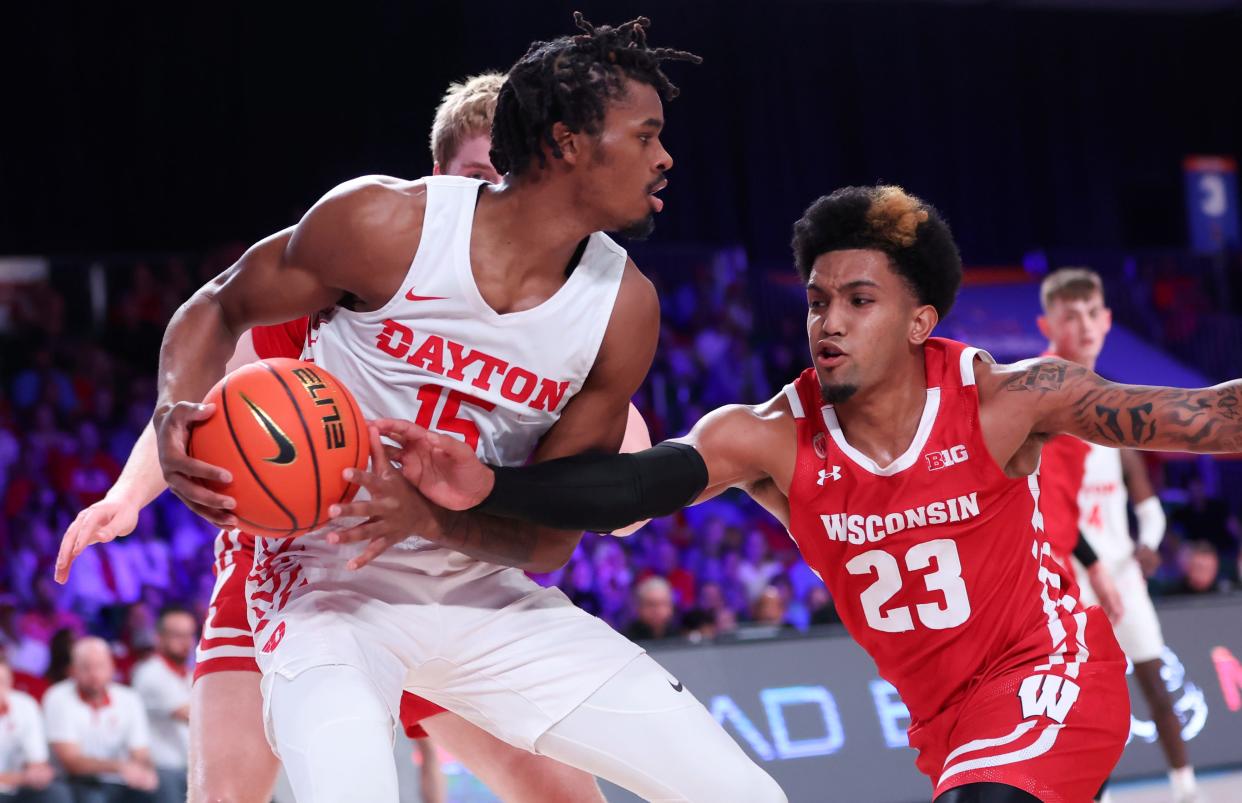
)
(287, 452)
(834, 475)
(410, 296)
(676, 686)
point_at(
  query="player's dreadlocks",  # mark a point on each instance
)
(570, 80)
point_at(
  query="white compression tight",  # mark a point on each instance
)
(317, 713)
(334, 735)
(641, 733)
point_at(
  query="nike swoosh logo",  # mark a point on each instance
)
(676, 686)
(410, 296)
(287, 451)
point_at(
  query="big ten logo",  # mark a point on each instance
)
(333, 429)
(946, 457)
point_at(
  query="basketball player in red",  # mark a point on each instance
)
(908, 465)
(230, 756)
(1089, 485)
(505, 315)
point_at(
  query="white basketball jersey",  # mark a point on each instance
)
(438, 355)
(1102, 506)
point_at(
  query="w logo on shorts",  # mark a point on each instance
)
(1047, 696)
(274, 641)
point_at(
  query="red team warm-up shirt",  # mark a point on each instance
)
(937, 563)
(1061, 470)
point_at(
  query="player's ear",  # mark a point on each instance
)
(921, 325)
(568, 141)
(435, 170)
(1044, 328)
(1108, 319)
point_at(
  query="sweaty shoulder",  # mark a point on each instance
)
(361, 236)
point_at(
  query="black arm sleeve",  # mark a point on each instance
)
(599, 492)
(1083, 551)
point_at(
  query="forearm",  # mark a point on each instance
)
(141, 479)
(77, 764)
(195, 351)
(11, 778)
(506, 542)
(599, 492)
(1204, 421)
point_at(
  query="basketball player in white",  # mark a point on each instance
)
(425, 287)
(1076, 323)
(230, 757)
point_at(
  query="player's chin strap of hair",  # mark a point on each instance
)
(599, 492)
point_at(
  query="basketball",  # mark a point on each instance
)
(286, 430)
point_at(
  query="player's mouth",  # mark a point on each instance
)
(657, 204)
(829, 357)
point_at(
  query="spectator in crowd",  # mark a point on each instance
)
(823, 611)
(1207, 518)
(60, 655)
(768, 612)
(98, 731)
(1200, 568)
(655, 619)
(756, 568)
(163, 683)
(25, 775)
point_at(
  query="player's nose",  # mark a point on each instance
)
(665, 161)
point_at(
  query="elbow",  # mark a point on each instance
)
(555, 554)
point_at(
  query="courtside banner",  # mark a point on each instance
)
(814, 714)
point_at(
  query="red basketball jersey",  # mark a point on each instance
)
(937, 563)
(280, 339)
(1062, 468)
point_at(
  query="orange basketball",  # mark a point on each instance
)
(285, 429)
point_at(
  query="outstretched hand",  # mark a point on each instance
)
(394, 512)
(101, 522)
(445, 470)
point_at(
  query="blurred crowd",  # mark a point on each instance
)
(77, 387)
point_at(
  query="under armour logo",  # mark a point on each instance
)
(835, 474)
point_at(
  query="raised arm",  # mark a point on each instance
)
(1047, 396)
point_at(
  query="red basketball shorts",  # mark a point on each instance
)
(1055, 731)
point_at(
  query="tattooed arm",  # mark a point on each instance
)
(1043, 397)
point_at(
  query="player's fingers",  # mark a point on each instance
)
(395, 454)
(379, 458)
(67, 546)
(192, 492)
(366, 479)
(399, 430)
(196, 469)
(364, 531)
(350, 510)
(223, 519)
(377, 547)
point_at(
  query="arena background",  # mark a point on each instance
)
(142, 145)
